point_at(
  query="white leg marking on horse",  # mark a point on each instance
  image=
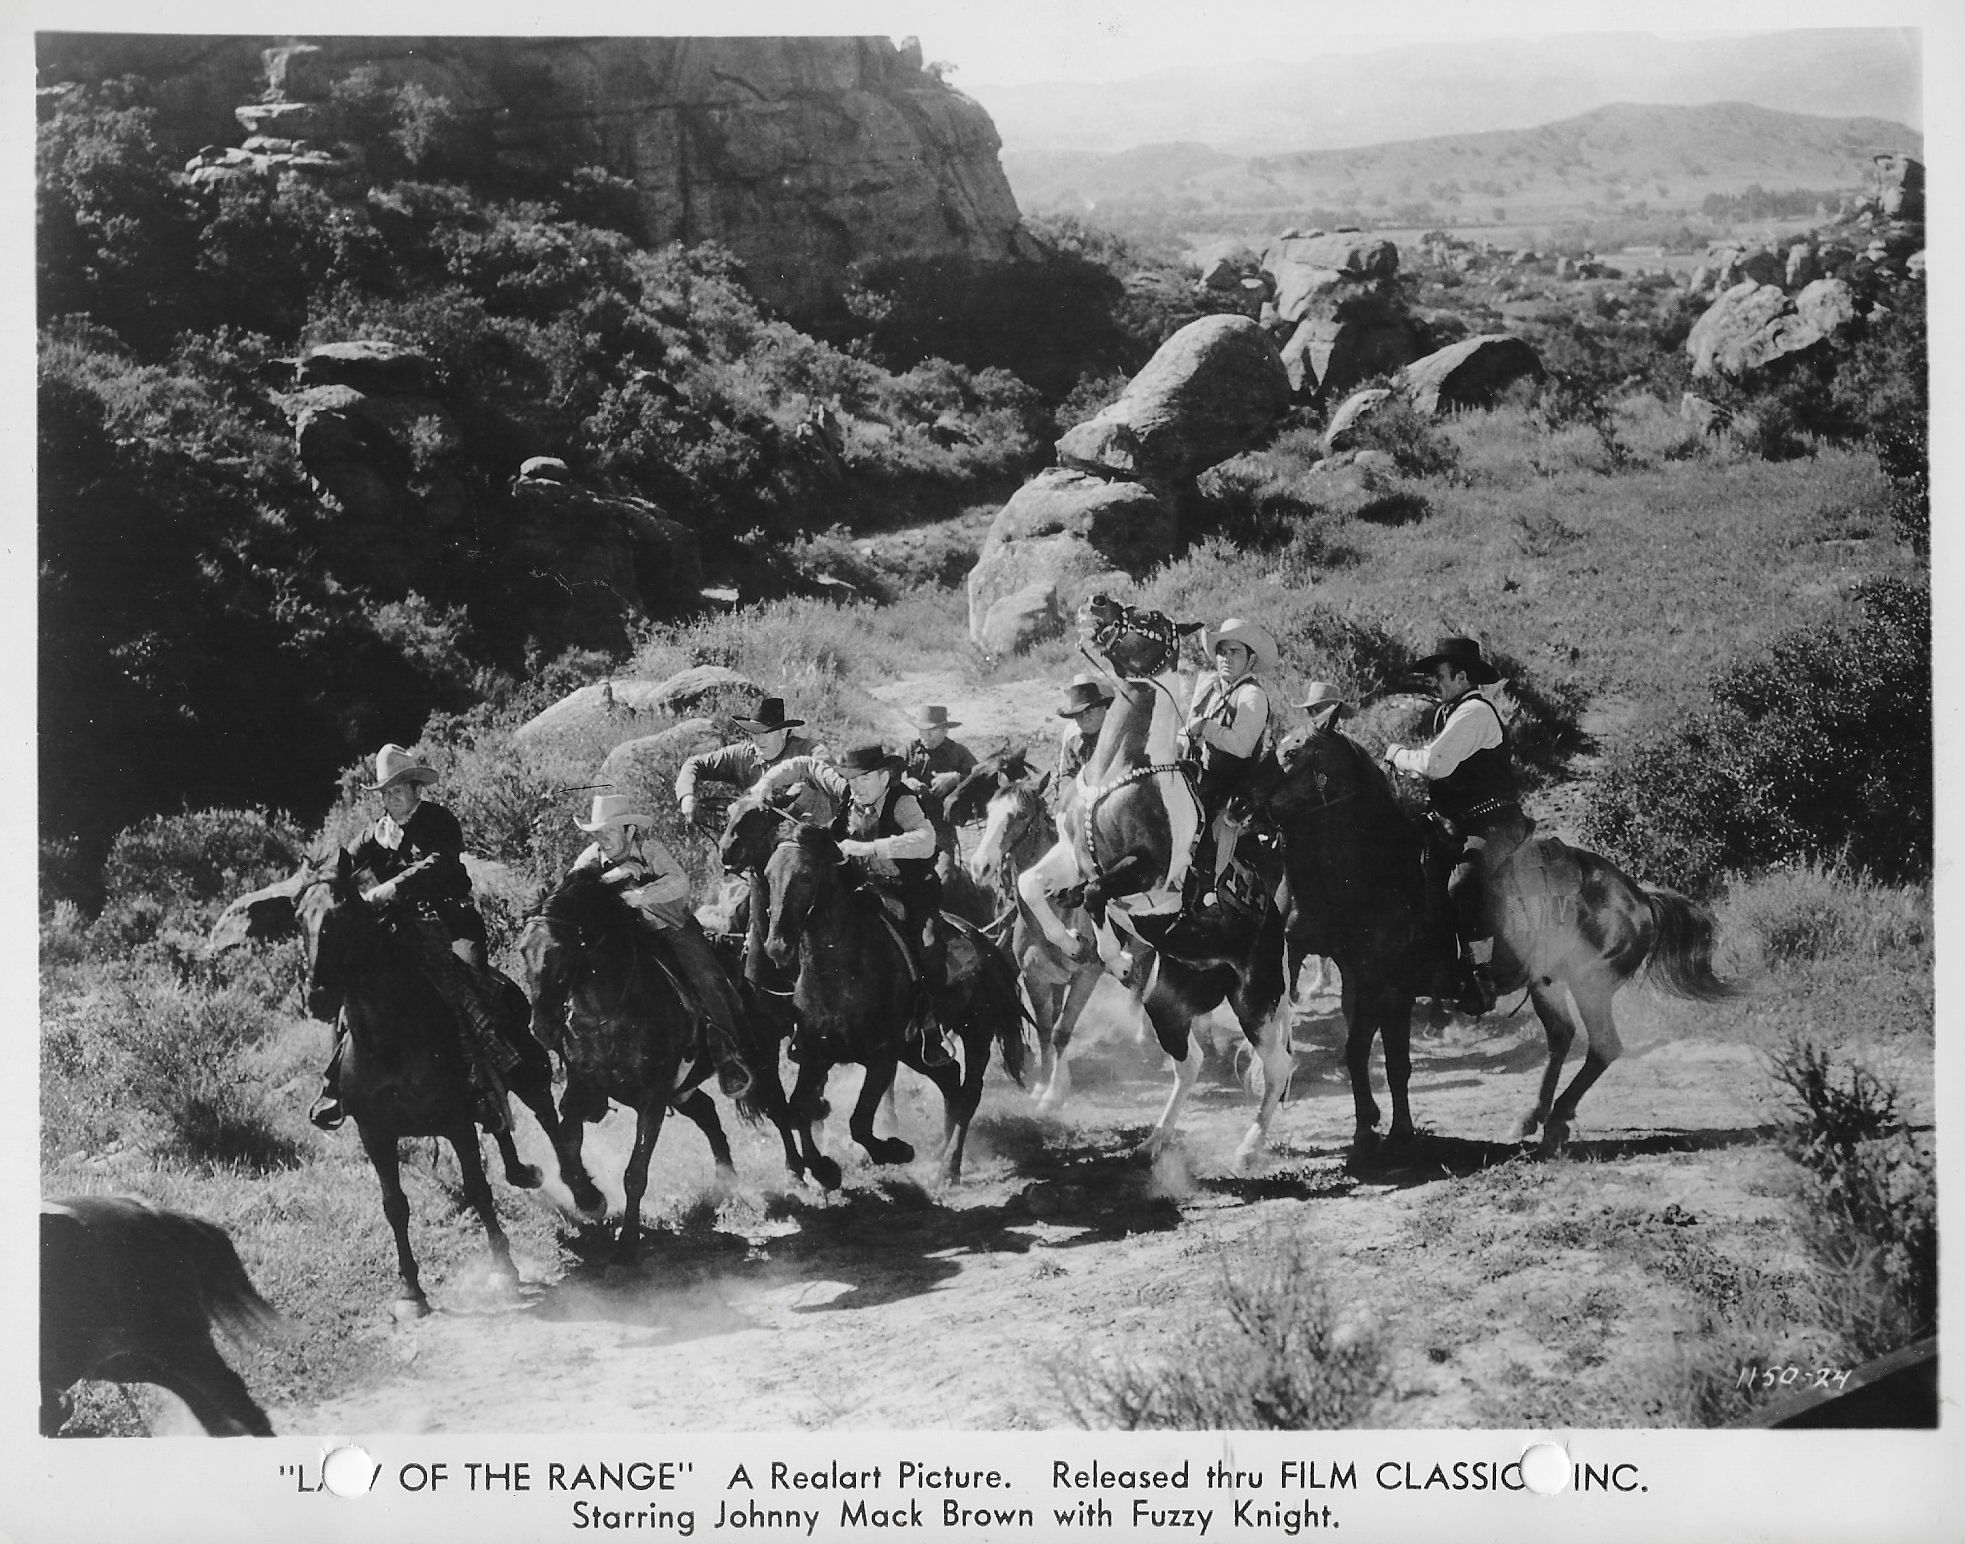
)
(1276, 1062)
(1186, 1071)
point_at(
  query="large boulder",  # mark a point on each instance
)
(1305, 269)
(1209, 392)
(1750, 327)
(1075, 533)
(368, 364)
(1828, 305)
(583, 567)
(1019, 620)
(805, 156)
(1900, 187)
(1328, 355)
(645, 767)
(611, 705)
(1471, 373)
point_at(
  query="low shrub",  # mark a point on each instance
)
(1873, 1197)
(1285, 1357)
(144, 1058)
(1815, 748)
(1409, 437)
(1814, 911)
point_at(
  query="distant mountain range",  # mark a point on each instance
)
(1460, 86)
(1618, 157)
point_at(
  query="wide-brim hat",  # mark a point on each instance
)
(1081, 696)
(614, 809)
(1463, 654)
(935, 716)
(1253, 636)
(1324, 700)
(393, 764)
(770, 718)
(861, 759)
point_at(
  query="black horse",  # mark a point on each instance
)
(605, 999)
(854, 996)
(404, 1074)
(1562, 918)
(129, 1293)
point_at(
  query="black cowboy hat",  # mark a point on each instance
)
(868, 758)
(1463, 654)
(770, 716)
(1082, 696)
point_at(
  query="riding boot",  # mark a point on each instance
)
(1476, 993)
(327, 1112)
(934, 980)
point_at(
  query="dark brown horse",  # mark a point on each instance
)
(854, 994)
(1127, 826)
(129, 1293)
(403, 1073)
(603, 997)
(1563, 920)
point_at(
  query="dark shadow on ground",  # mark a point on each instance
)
(1431, 1157)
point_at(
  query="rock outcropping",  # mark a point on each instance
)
(802, 155)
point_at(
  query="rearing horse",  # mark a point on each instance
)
(1562, 919)
(1126, 832)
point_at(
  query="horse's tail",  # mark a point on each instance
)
(1681, 958)
(231, 1301)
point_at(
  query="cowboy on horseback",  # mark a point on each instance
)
(883, 825)
(1472, 787)
(938, 764)
(415, 852)
(1083, 708)
(1227, 724)
(634, 862)
(734, 768)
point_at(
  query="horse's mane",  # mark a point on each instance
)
(586, 901)
(816, 839)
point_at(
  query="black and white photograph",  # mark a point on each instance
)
(980, 773)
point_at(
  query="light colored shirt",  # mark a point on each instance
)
(915, 840)
(1236, 714)
(1470, 727)
(738, 765)
(647, 875)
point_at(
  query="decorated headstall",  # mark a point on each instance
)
(1141, 642)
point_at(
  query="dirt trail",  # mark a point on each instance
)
(780, 1309)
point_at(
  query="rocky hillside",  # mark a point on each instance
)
(802, 155)
(1623, 157)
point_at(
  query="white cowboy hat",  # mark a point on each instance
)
(614, 809)
(1324, 701)
(1251, 635)
(393, 764)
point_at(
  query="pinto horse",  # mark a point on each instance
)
(1126, 826)
(403, 1072)
(1017, 831)
(626, 1030)
(129, 1292)
(1562, 919)
(854, 993)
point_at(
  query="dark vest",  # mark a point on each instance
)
(853, 822)
(1483, 785)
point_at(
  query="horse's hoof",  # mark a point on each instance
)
(1555, 1137)
(825, 1172)
(524, 1176)
(1401, 1135)
(407, 1310)
(588, 1201)
(1531, 1123)
(503, 1279)
(890, 1150)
